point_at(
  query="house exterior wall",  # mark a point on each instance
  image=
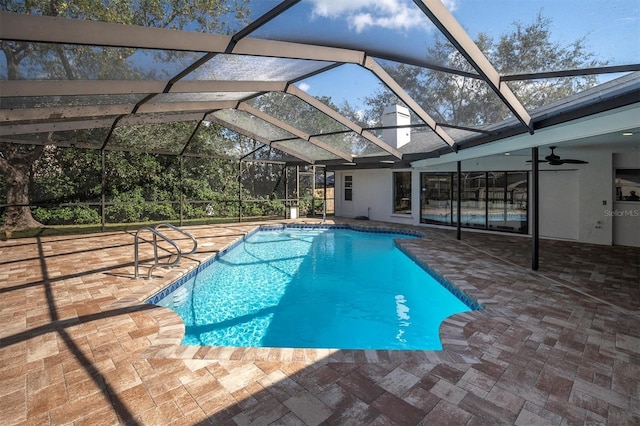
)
(576, 202)
(372, 196)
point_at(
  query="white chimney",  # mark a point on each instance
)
(396, 115)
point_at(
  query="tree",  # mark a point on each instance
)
(15, 165)
(470, 102)
(26, 60)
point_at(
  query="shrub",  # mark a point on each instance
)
(70, 215)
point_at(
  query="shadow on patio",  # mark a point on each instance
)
(76, 348)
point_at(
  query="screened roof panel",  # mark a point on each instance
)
(69, 101)
(450, 99)
(214, 140)
(424, 140)
(539, 93)
(83, 138)
(228, 17)
(307, 149)
(46, 61)
(348, 83)
(607, 29)
(296, 112)
(267, 153)
(50, 124)
(200, 97)
(389, 29)
(168, 137)
(252, 124)
(254, 68)
(353, 143)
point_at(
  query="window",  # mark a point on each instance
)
(402, 192)
(488, 200)
(507, 200)
(627, 184)
(473, 200)
(348, 188)
(436, 198)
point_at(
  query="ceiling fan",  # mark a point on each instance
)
(554, 159)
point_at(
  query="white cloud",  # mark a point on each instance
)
(362, 14)
(304, 87)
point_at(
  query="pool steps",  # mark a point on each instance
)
(156, 233)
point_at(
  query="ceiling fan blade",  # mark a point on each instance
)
(554, 159)
(569, 161)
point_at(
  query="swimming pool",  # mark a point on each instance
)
(314, 287)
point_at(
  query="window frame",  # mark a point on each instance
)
(450, 216)
(406, 192)
(348, 187)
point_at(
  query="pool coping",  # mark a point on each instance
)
(167, 342)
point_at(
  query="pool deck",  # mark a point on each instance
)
(553, 347)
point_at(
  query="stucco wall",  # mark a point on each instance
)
(372, 196)
(576, 201)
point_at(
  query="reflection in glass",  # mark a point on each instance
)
(507, 196)
(628, 184)
(473, 200)
(435, 198)
(348, 188)
(402, 192)
(489, 200)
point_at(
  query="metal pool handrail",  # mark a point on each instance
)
(183, 232)
(156, 234)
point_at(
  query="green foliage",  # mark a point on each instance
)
(66, 175)
(82, 215)
(73, 62)
(469, 101)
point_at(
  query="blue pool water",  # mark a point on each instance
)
(320, 288)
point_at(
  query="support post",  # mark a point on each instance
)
(324, 197)
(534, 209)
(486, 200)
(103, 189)
(458, 203)
(181, 190)
(239, 190)
(286, 190)
(313, 192)
(298, 186)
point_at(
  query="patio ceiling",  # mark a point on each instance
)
(200, 79)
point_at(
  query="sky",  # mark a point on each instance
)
(610, 28)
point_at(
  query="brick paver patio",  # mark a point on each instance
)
(554, 347)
